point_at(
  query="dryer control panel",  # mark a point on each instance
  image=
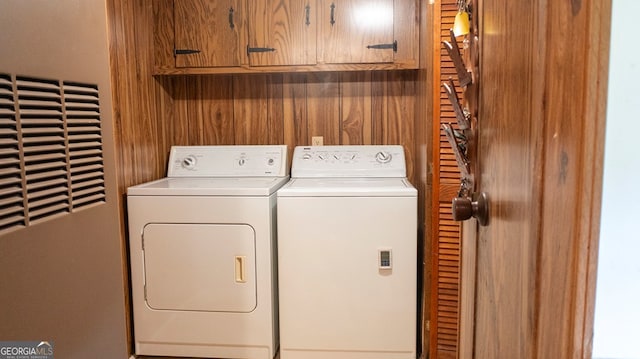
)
(228, 161)
(349, 161)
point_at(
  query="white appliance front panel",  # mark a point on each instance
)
(210, 334)
(347, 277)
(228, 161)
(349, 161)
(200, 267)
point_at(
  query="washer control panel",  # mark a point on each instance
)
(349, 161)
(228, 161)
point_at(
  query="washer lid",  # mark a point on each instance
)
(209, 186)
(348, 187)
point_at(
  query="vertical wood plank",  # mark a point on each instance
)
(280, 24)
(179, 127)
(250, 109)
(574, 115)
(425, 180)
(510, 154)
(398, 129)
(163, 32)
(406, 20)
(295, 120)
(275, 109)
(323, 107)
(214, 98)
(355, 100)
(378, 107)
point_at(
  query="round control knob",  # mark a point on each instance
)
(383, 157)
(271, 162)
(189, 162)
(306, 156)
(241, 162)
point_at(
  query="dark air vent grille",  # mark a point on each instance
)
(51, 160)
(11, 194)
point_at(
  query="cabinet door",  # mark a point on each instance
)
(282, 32)
(356, 31)
(206, 33)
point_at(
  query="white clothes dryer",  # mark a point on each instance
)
(203, 253)
(347, 255)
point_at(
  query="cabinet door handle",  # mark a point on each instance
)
(333, 14)
(259, 49)
(231, 24)
(307, 14)
(185, 51)
(393, 46)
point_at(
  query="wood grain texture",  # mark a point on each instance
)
(348, 27)
(509, 155)
(424, 170)
(281, 25)
(356, 117)
(323, 107)
(574, 136)
(408, 19)
(213, 28)
(163, 34)
(543, 174)
(297, 41)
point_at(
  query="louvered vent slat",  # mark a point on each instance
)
(45, 156)
(78, 146)
(50, 183)
(44, 176)
(8, 160)
(50, 211)
(86, 175)
(82, 105)
(13, 217)
(6, 192)
(11, 192)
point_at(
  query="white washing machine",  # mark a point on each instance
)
(203, 250)
(347, 256)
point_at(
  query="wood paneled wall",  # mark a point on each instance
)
(345, 108)
(153, 113)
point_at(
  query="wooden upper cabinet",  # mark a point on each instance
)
(356, 31)
(244, 36)
(207, 33)
(282, 32)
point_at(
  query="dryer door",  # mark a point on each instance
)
(200, 267)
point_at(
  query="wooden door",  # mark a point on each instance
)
(282, 32)
(540, 136)
(356, 31)
(207, 33)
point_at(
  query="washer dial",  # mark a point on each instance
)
(383, 157)
(189, 162)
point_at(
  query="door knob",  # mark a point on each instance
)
(477, 207)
